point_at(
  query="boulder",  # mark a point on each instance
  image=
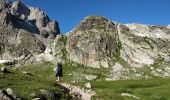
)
(9, 94)
(130, 95)
(46, 93)
(104, 64)
(91, 77)
(88, 85)
(1, 94)
(10, 91)
(4, 69)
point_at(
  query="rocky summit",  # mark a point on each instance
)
(24, 31)
(127, 49)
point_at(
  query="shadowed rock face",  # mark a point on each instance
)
(35, 17)
(24, 31)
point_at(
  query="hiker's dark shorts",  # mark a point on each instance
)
(59, 74)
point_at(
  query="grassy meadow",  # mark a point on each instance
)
(41, 76)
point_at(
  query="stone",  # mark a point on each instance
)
(1, 94)
(90, 77)
(10, 91)
(130, 95)
(9, 94)
(45, 93)
(104, 64)
(152, 68)
(36, 99)
(4, 69)
(33, 95)
(54, 69)
(88, 85)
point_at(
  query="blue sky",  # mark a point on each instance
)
(70, 12)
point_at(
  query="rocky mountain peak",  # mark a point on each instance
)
(24, 31)
(91, 42)
(29, 18)
(20, 10)
(95, 23)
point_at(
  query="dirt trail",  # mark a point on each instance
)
(80, 92)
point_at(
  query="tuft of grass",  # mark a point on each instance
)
(158, 62)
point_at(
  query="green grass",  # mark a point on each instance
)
(77, 72)
(41, 77)
(151, 89)
(1, 65)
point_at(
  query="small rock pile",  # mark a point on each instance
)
(9, 94)
(45, 95)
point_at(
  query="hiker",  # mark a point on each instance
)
(59, 73)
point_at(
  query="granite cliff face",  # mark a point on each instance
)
(127, 49)
(24, 31)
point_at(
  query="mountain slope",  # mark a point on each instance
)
(127, 49)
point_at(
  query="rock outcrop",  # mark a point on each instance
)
(9, 94)
(143, 44)
(98, 42)
(92, 42)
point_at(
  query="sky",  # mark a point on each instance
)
(69, 13)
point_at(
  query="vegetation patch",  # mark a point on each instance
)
(39, 76)
(75, 72)
(158, 62)
(151, 89)
(149, 41)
